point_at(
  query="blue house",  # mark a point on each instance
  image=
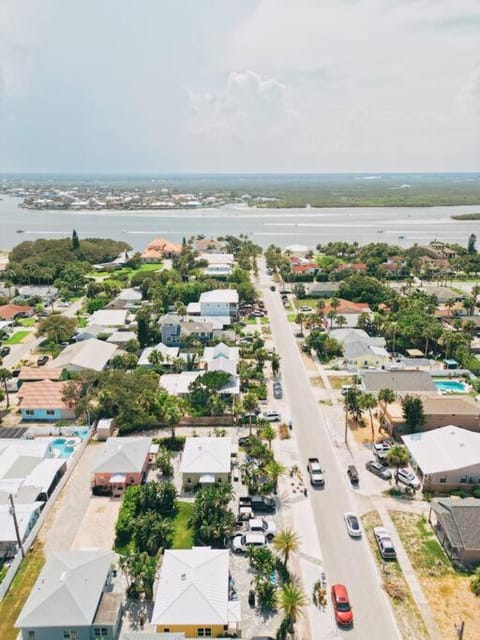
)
(43, 401)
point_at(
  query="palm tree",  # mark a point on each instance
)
(156, 358)
(173, 409)
(292, 600)
(369, 402)
(397, 456)
(274, 470)
(4, 376)
(275, 363)
(331, 315)
(250, 404)
(387, 396)
(285, 543)
(268, 433)
(300, 319)
(341, 321)
(475, 293)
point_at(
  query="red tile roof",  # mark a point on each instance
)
(346, 306)
(45, 394)
(10, 311)
(160, 247)
(39, 373)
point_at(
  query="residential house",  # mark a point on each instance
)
(201, 330)
(73, 598)
(13, 311)
(401, 382)
(442, 294)
(159, 249)
(130, 295)
(27, 515)
(208, 245)
(457, 525)
(93, 331)
(363, 355)
(219, 302)
(47, 294)
(440, 411)
(43, 401)
(220, 265)
(123, 462)
(120, 338)
(299, 250)
(322, 289)
(178, 384)
(35, 374)
(167, 355)
(221, 350)
(196, 594)
(109, 317)
(170, 329)
(355, 267)
(206, 461)
(87, 354)
(351, 311)
(446, 458)
(230, 367)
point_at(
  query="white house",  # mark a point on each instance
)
(446, 458)
(221, 351)
(219, 302)
(219, 264)
(27, 515)
(109, 317)
(205, 461)
(88, 354)
(167, 355)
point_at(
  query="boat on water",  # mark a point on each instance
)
(401, 237)
(379, 230)
(20, 231)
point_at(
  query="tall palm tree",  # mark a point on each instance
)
(173, 410)
(386, 396)
(292, 600)
(275, 363)
(268, 433)
(367, 403)
(341, 321)
(250, 404)
(300, 319)
(285, 543)
(5, 375)
(274, 470)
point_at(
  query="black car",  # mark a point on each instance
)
(248, 418)
(4, 351)
(42, 360)
(272, 288)
(352, 473)
(277, 390)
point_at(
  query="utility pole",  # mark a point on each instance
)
(17, 532)
(459, 628)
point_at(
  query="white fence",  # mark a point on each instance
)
(16, 562)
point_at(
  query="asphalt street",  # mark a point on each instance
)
(347, 561)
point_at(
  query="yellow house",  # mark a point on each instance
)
(195, 594)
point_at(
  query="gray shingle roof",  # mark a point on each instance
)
(123, 455)
(68, 590)
(460, 519)
(398, 381)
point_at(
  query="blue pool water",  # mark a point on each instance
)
(454, 386)
(64, 446)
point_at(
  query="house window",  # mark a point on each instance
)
(100, 632)
(189, 479)
(50, 412)
(463, 480)
(29, 412)
(204, 632)
(443, 479)
(69, 634)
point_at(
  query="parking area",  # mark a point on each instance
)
(97, 528)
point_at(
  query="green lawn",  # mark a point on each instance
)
(17, 337)
(183, 536)
(306, 302)
(82, 322)
(13, 602)
(27, 322)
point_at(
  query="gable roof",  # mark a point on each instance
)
(444, 449)
(39, 373)
(207, 455)
(9, 311)
(87, 354)
(43, 394)
(109, 317)
(398, 381)
(347, 306)
(460, 519)
(68, 590)
(358, 349)
(159, 247)
(192, 588)
(123, 455)
(221, 350)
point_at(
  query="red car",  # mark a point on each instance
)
(341, 606)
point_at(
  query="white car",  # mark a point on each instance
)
(261, 525)
(271, 416)
(243, 541)
(306, 309)
(353, 524)
(380, 449)
(407, 477)
(385, 544)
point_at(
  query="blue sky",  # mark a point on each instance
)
(246, 85)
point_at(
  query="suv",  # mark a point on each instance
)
(260, 525)
(243, 541)
(306, 309)
(408, 478)
(378, 469)
(42, 360)
(277, 390)
(352, 473)
(341, 605)
(4, 351)
(271, 415)
(384, 543)
(380, 449)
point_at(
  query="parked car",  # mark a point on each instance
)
(271, 416)
(245, 340)
(352, 473)
(384, 543)
(379, 469)
(42, 360)
(257, 504)
(353, 525)
(261, 525)
(306, 309)
(272, 287)
(257, 313)
(277, 390)
(408, 478)
(243, 541)
(316, 473)
(4, 351)
(247, 441)
(380, 449)
(341, 605)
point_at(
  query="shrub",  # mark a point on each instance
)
(128, 511)
(475, 583)
(283, 431)
(172, 444)
(476, 492)
(266, 593)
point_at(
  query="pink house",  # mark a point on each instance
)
(123, 463)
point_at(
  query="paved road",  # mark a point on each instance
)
(347, 561)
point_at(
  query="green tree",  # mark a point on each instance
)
(75, 241)
(292, 600)
(274, 470)
(275, 363)
(172, 411)
(250, 405)
(57, 328)
(413, 413)
(472, 240)
(368, 402)
(386, 396)
(285, 543)
(212, 521)
(268, 433)
(150, 532)
(397, 456)
(5, 374)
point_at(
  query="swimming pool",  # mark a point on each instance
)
(64, 446)
(452, 386)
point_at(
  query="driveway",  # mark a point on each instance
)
(97, 528)
(65, 519)
(345, 561)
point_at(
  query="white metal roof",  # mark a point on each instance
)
(193, 588)
(87, 354)
(206, 455)
(123, 455)
(24, 513)
(109, 317)
(178, 383)
(220, 295)
(444, 449)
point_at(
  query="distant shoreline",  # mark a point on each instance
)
(466, 216)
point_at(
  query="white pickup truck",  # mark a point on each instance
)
(316, 473)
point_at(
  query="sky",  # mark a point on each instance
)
(215, 86)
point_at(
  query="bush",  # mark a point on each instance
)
(476, 492)
(475, 583)
(128, 511)
(266, 593)
(172, 444)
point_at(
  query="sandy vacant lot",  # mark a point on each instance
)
(97, 528)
